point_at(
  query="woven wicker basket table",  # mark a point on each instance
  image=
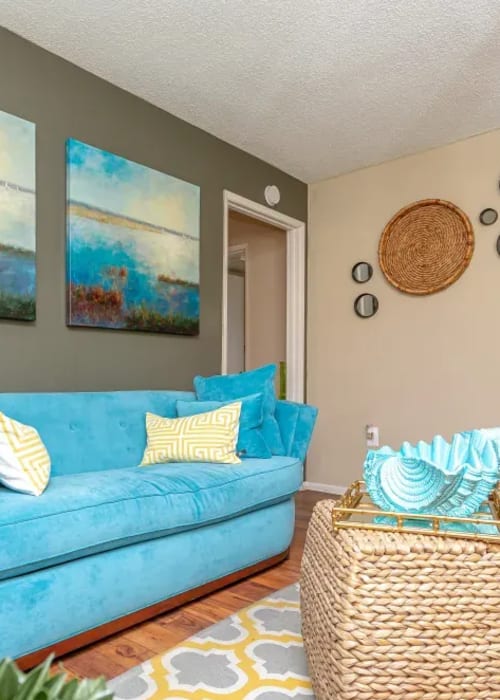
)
(399, 616)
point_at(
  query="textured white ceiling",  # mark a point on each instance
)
(316, 87)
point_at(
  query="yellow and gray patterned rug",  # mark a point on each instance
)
(256, 654)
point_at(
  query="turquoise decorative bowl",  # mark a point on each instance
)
(438, 478)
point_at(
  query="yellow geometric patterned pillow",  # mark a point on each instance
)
(24, 460)
(205, 437)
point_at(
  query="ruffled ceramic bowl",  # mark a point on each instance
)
(438, 478)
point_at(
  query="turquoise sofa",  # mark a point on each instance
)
(109, 544)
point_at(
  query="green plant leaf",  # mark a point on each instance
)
(93, 690)
(10, 679)
(54, 686)
(42, 695)
(39, 685)
(34, 681)
(69, 690)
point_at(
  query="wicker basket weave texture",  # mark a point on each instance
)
(426, 246)
(390, 616)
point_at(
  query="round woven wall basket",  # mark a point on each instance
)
(426, 246)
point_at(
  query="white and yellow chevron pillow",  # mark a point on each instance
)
(205, 437)
(24, 460)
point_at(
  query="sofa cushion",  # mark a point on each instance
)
(24, 460)
(251, 442)
(206, 437)
(296, 421)
(87, 431)
(85, 513)
(234, 386)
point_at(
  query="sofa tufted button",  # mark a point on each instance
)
(73, 427)
(122, 425)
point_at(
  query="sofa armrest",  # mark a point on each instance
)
(296, 422)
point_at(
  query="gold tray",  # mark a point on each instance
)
(356, 510)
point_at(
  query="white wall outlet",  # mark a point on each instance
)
(372, 436)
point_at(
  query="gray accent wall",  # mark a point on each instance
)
(66, 101)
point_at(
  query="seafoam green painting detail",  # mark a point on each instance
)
(133, 245)
(17, 218)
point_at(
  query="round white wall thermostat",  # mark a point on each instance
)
(272, 195)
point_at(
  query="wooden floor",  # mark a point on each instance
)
(116, 654)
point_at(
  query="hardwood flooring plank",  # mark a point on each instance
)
(89, 663)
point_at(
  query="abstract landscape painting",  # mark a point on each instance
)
(133, 245)
(17, 218)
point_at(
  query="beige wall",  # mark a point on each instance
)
(422, 365)
(266, 285)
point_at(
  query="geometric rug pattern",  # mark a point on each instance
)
(256, 654)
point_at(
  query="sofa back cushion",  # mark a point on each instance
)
(92, 431)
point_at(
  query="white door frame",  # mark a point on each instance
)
(242, 249)
(295, 285)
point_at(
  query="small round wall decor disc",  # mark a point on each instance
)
(272, 195)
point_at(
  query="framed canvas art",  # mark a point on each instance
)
(133, 245)
(17, 218)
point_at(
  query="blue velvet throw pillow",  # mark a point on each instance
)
(251, 443)
(230, 387)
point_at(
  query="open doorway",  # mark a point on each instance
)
(237, 303)
(256, 300)
(263, 292)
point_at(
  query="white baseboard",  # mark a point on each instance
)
(325, 488)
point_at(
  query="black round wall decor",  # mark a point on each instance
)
(366, 305)
(362, 272)
(488, 216)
